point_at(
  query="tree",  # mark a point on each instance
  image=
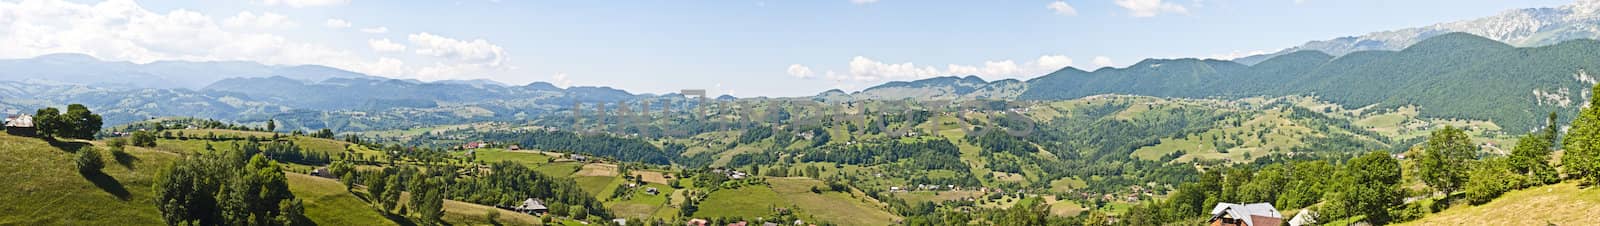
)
(391, 196)
(578, 212)
(1530, 158)
(89, 160)
(376, 186)
(1488, 179)
(80, 122)
(1582, 158)
(1367, 186)
(272, 125)
(144, 139)
(1444, 158)
(47, 122)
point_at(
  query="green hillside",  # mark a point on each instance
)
(1558, 204)
(1449, 76)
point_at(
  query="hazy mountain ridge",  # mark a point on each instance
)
(1520, 27)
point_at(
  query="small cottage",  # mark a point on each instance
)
(1254, 214)
(532, 206)
(20, 125)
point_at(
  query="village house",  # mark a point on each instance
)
(20, 125)
(652, 191)
(321, 172)
(532, 206)
(514, 147)
(1254, 214)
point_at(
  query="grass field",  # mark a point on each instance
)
(461, 213)
(43, 186)
(852, 208)
(599, 187)
(1559, 204)
(526, 158)
(642, 205)
(559, 169)
(744, 201)
(327, 202)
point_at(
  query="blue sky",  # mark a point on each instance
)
(747, 48)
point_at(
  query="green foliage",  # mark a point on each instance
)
(1582, 158)
(226, 189)
(77, 123)
(1490, 178)
(1444, 159)
(1531, 159)
(89, 160)
(1436, 74)
(144, 139)
(1368, 186)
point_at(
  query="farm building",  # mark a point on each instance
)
(532, 206)
(20, 125)
(1254, 214)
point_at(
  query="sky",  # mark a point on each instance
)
(738, 47)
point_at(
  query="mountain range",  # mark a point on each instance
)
(1519, 27)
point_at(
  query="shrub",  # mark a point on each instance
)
(89, 160)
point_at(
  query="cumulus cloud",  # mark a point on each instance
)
(867, 69)
(1102, 61)
(1062, 8)
(376, 30)
(336, 24)
(265, 20)
(304, 3)
(384, 45)
(477, 51)
(863, 2)
(1149, 8)
(122, 30)
(561, 80)
(799, 71)
(1051, 63)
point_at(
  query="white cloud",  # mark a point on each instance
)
(1102, 61)
(376, 30)
(265, 20)
(561, 80)
(384, 45)
(1299, 1)
(122, 30)
(1051, 63)
(865, 69)
(337, 24)
(799, 71)
(1149, 8)
(863, 2)
(304, 3)
(1062, 8)
(477, 51)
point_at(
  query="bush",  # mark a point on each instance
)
(89, 160)
(144, 139)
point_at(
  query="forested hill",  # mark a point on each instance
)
(1456, 75)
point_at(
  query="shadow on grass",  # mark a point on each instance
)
(67, 146)
(124, 159)
(106, 183)
(401, 220)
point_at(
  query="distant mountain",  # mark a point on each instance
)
(1521, 27)
(938, 88)
(1456, 75)
(87, 70)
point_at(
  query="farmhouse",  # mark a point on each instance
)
(20, 125)
(1254, 214)
(532, 206)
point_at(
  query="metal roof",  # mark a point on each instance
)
(1243, 212)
